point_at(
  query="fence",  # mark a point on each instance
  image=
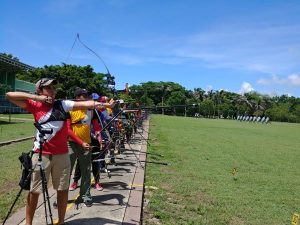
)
(7, 107)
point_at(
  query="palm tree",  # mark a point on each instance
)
(198, 94)
(239, 101)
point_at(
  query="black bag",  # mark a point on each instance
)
(26, 163)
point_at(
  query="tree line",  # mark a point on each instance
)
(215, 103)
(169, 97)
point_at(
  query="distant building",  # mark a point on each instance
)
(8, 82)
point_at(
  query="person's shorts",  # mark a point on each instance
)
(57, 165)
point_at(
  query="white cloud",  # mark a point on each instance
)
(262, 49)
(208, 88)
(292, 80)
(259, 48)
(245, 88)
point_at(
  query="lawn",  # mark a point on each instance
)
(21, 116)
(222, 172)
(17, 128)
(10, 175)
(9, 163)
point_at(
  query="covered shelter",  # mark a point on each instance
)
(9, 67)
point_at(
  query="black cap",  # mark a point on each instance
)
(80, 91)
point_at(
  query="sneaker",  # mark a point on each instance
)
(88, 203)
(73, 186)
(117, 152)
(99, 187)
(104, 170)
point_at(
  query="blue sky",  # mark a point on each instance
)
(234, 45)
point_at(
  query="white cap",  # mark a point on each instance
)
(44, 82)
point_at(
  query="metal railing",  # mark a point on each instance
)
(7, 107)
(10, 109)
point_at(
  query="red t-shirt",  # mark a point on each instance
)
(55, 143)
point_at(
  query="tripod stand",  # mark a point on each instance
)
(42, 133)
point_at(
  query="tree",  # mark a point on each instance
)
(69, 77)
(10, 56)
(280, 113)
(145, 100)
(207, 108)
(198, 94)
(176, 98)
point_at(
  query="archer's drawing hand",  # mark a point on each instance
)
(44, 98)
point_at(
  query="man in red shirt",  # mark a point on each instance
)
(49, 113)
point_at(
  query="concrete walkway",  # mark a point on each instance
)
(119, 203)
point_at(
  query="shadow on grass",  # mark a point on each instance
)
(8, 123)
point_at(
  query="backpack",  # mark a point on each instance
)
(26, 164)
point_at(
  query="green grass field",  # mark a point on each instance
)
(18, 128)
(200, 186)
(10, 175)
(222, 172)
(9, 163)
(21, 116)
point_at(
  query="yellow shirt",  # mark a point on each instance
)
(80, 122)
(109, 111)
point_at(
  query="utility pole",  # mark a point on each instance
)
(162, 104)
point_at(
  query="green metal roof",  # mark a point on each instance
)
(8, 64)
